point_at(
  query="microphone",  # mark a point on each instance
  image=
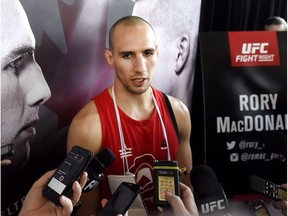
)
(208, 192)
(95, 169)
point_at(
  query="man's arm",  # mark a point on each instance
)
(184, 154)
(85, 131)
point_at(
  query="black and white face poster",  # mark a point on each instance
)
(70, 41)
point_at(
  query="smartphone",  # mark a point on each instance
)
(121, 199)
(166, 179)
(137, 208)
(7, 151)
(70, 170)
(267, 188)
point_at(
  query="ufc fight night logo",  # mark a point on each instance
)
(253, 49)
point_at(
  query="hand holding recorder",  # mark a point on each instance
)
(185, 205)
(36, 204)
(276, 192)
(69, 171)
(268, 188)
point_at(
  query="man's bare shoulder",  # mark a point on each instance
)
(182, 115)
(178, 106)
(85, 129)
(87, 113)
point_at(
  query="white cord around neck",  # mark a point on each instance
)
(123, 146)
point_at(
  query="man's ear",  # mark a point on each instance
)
(109, 58)
(183, 52)
(157, 50)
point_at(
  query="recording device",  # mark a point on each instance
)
(95, 169)
(7, 151)
(166, 179)
(70, 170)
(267, 188)
(208, 192)
(121, 199)
(258, 208)
(137, 208)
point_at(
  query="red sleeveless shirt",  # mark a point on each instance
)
(144, 141)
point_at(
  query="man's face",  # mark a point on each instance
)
(133, 57)
(23, 87)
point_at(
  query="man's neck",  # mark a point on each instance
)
(136, 106)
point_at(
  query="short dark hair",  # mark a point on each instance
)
(275, 20)
(129, 21)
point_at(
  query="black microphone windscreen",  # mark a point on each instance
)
(204, 181)
(103, 160)
(97, 167)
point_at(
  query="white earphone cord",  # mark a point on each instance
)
(123, 146)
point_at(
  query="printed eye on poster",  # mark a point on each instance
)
(245, 106)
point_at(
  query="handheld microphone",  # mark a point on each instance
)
(98, 165)
(208, 192)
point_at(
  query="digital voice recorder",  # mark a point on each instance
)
(267, 188)
(166, 179)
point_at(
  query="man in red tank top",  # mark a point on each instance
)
(131, 117)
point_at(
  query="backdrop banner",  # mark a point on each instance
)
(71, 38)
(245, 106)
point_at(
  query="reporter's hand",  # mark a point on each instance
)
(36, 204)
(186, 206)
(281, 204)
